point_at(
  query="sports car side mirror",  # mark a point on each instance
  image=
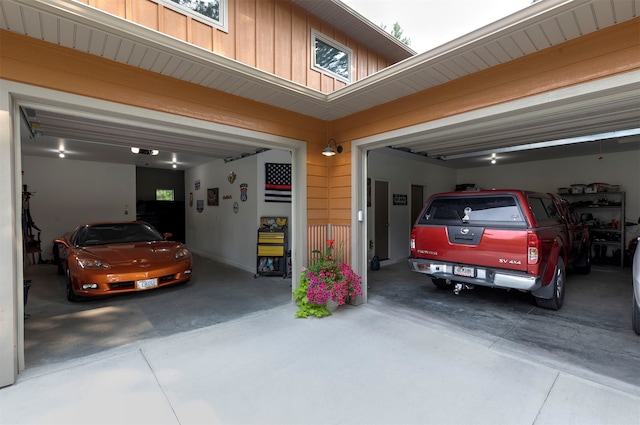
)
(62, 241)
(167, 236)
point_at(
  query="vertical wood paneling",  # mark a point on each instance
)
(283, 40)
(145, 13)
(175, 24)
(265, 33)
(201, 34)
(246, 32)
(224, 42)
(300, 55)
(271, 35)
(115, 7)
(361, 62)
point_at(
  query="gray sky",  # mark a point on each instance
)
(432, 23)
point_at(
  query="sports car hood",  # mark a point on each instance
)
(137, 252)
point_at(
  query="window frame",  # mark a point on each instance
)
(222, 24)
(316, 35)
(173, 195)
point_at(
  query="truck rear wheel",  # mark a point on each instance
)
(442, 283)
(558, 281)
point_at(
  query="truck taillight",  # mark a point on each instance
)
(533, 248)
(412, 241)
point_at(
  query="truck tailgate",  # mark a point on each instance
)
(473, 245)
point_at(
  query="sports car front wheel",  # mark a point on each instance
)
(71, 295)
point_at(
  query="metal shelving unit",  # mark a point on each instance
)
(604, 213)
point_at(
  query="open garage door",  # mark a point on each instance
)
(97, 180)
(531, 139)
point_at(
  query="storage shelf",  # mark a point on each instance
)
(603, 251)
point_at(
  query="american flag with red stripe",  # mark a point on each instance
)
(277, 186)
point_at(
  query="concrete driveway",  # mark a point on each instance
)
(590, 335)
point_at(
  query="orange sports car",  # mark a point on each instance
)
(101, 259)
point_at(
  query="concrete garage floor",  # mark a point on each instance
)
(590, 336)
(58, 330)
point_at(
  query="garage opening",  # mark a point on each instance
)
(203, 183)
(457, 152)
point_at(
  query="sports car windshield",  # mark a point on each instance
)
(105, 234)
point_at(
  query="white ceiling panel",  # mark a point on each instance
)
(603, 11)
(585, 16)
(49, 27)
(31, 20)
(552, 31)
(81, 38)
(97, 44)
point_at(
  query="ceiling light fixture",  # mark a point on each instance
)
(328, 151)
(61, 154)
(140, 151)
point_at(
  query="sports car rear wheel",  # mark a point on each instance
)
(71, 295)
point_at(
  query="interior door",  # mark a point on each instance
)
(381, 227)
(417, 201)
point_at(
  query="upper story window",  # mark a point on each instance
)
(331, 57)
(212, 12)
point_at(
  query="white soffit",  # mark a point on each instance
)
(537, 27)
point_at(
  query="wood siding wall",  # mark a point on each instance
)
(608, 52)
(31, 61)
(271, 35)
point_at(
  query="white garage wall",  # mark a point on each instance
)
(68, 193)
(546, 176)
(219, 233)
(401, 172)
(621, 168)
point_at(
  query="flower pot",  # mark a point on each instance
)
(331, 305)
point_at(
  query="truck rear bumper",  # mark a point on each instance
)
(483, 276)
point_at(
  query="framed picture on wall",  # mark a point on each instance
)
(212, 196)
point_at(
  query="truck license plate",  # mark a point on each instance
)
(464, 271)
(146, 283)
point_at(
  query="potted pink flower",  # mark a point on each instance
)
(325, 281)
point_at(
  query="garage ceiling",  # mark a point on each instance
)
(539, 26)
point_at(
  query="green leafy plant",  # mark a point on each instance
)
(325, 279)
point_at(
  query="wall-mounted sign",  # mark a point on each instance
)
(197, 184)
(200, 205)
(243, 192)
(212, 196)
(399, 199)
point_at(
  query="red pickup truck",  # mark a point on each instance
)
(510, 239)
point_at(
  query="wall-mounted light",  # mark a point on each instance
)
(328, 151)
(174, 163)
(135, 150)
(493, 158)
(61, 154)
